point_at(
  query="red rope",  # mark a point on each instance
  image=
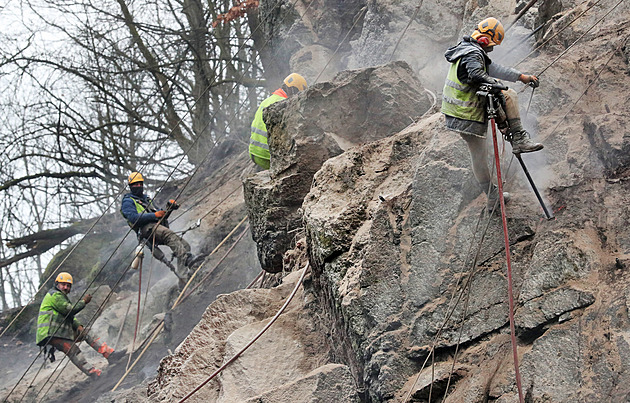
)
(508, 260)
(135, 332)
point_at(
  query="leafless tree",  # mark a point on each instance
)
(96, 90)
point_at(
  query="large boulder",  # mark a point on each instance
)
(305, 37)
(291, 354)
(358, 106)
(392, 232)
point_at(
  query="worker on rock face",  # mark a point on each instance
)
(258, 146)
(465, 111)
(149, 223)
(57, 327)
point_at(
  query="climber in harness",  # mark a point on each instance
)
(465, 110)
(58, 329)
(151, 224)
(258, 145)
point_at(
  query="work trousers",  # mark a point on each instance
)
(72, 350)
(478, 147)
(164, 236)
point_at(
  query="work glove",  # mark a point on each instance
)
(532, 81)
(160, 214)
(172, 204)
(87, 298)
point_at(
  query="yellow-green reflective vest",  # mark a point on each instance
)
(56, 316)
(140, 209)
(258, 145)
(460, 100)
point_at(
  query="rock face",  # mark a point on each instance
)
(405, 261)
(393, 226)
(306, 37)
(358, 106)
(288, 363)
(319, 38)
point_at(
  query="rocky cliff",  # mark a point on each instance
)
(405, 295)
(403, 259)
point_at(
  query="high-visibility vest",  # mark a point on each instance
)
(140, 208)
(460, 100)
(258, 145)
(56, 316)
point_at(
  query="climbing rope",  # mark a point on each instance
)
(135, 332)
(153, 334)
(509, 264)
(258, 277)
(413, 17)
(159, 189)
(271, 322)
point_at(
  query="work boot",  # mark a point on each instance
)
(189, 260)
(493, 199)
(193, 262)
(521, 143)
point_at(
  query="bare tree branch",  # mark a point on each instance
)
(58, 175)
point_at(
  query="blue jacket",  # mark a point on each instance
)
(138, 211)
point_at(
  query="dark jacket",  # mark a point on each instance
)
(475, 67)
(138, 211)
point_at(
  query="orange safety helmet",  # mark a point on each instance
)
(135, 177)
(64, 278)
(490, 28)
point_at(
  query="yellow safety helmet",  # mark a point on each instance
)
(490, 28)
(64, 278)
(135, 177)
(296, 80)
